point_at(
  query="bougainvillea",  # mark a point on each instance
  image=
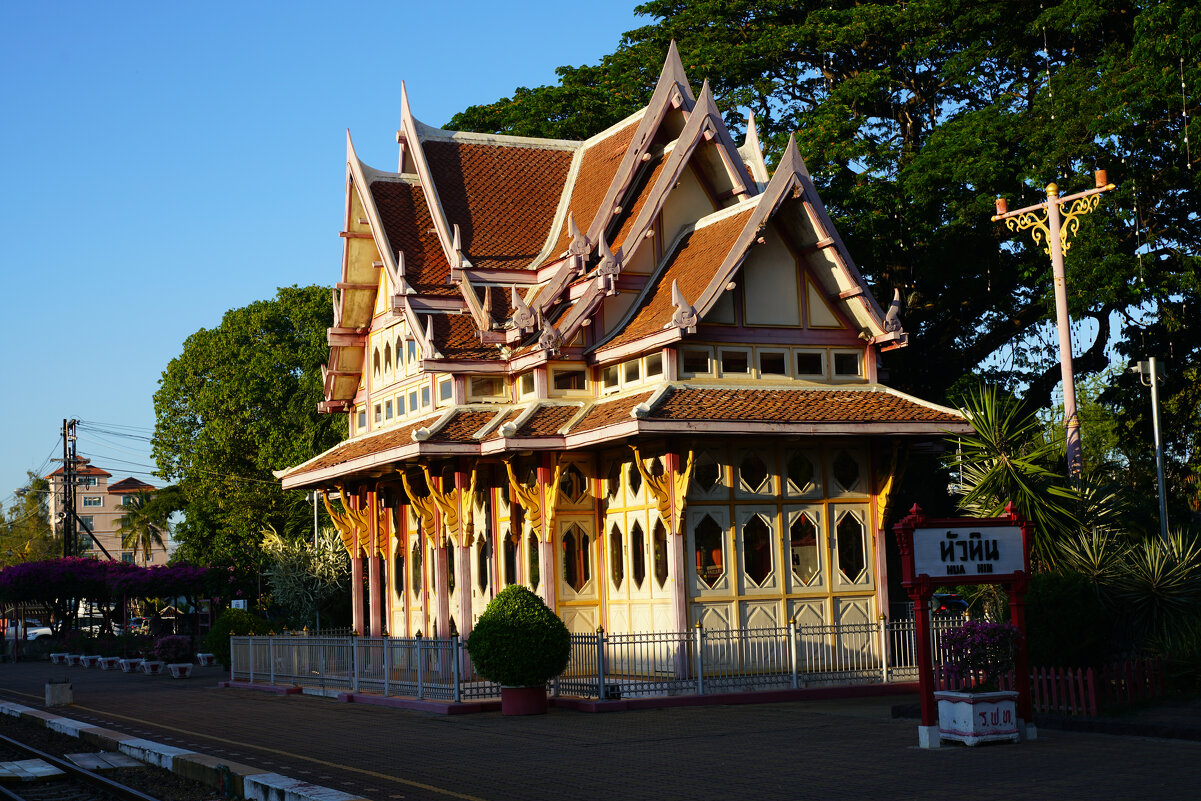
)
(978, 653)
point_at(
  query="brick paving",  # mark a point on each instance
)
(848, 749)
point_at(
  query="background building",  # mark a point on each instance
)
(100, 506)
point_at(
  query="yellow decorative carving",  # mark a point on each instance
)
(1041, 234)
(533, 500)
(425, 508)
(669, 491)
(449, 503)
(1071, 218)
(895, 471)
(353, 525)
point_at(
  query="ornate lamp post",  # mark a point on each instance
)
(1053, 229)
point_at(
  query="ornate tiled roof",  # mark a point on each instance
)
(503, 198)
(464, 423)
(609, 412)
(871, 404)
(408, 226)
(547, 421)
(597, 167)
(691, 266)
(362, 446)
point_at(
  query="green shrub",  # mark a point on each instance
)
(173, 648)
(231, 623)
(518, 641)
(1066, 623)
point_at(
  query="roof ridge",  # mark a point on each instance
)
(429, 134)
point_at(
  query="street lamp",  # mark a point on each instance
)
(1050, 229)
(1148, 375)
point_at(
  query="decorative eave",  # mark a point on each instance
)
(412, 131)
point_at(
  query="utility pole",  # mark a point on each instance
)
(69, 480)
(1050, 229)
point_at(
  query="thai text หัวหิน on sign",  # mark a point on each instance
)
(967, 551)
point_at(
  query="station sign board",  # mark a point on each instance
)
(961, 551)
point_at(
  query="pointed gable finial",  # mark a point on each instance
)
(337, 308)
(456, 245)
(685, 315)
(550, 339)
(609, 267)
(892, 320)
(579, 240)
(752, 152)
(523, 318)
(792, 161)
(429, 351)
(673, 70)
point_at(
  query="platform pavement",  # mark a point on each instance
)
(845, 749)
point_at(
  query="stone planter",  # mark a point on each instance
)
(206, 660)
(130, 665)
(152, 667)
(180, 670)
(59, 659)
(972, 718)
(523, 700)
(110, 663)
(74, 660)
(92, 660)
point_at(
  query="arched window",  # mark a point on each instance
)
(617, 568)
(416, 567)
(511, 544)
(398, 571)
(576, 569)
(387, 357)
(637, 554)
(659, 543)
(483, 551)
(707, 537)
(450, 568)
(533, 571)
(756, 550)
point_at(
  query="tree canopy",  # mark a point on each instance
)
(237, 403)
(912, 117)
(25, 531)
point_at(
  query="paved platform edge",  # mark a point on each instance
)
(223, 775)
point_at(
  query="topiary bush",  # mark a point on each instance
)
(518, 641)
(233, 622)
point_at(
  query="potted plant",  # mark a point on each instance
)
(977, 655)
(520, 644)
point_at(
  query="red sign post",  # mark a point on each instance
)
(939, 552)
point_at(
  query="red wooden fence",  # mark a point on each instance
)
(1082, 691)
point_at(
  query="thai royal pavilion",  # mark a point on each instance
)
(637, 374)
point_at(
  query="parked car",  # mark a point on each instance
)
(31, 627)
(948, 603)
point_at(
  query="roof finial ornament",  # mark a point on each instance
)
(523, 318)
(579, 240)
(429, 351)
(456, 245)
(609, 267)
(550, 339)
(400, 286)
(337, 308)
(892, 320)
(685, 315)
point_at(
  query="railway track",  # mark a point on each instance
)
(59, 779)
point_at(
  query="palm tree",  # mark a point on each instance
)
(143, 524)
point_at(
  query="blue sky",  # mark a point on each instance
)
(162, 163)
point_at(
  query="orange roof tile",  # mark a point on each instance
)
(634, 207)
(616, 411)
(130, 485)
(363, 446)
(410, 228)
(692, 265)
(456, 337)
(786, 405)
(460, 427)
(82, 471)
(597, 167)
(503, 198)
(547, 421)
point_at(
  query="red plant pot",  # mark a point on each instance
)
(523, 700)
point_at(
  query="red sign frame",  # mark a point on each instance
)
(920, 587)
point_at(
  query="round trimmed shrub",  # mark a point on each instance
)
(518, 641)
(233, 622)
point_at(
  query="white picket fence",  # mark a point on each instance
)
(602, 665)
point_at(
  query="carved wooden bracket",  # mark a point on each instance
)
(669, 490)
(342, 522)
(448, 503)
(534, 500)
(424, 508)
(354, 526)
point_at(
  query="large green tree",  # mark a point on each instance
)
(25, 531)
(237, 403)
(912, 117)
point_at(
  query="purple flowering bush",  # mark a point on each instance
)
(173, 648)
(979, 652)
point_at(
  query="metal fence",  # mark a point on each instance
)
(602, 665)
